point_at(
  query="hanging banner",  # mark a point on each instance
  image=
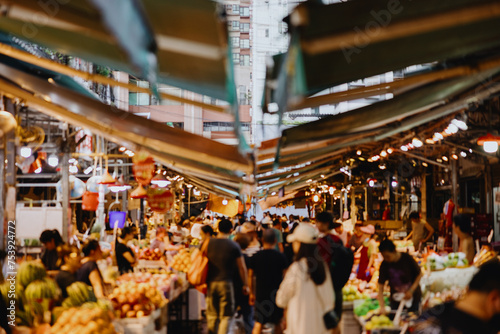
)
(143, 167)
(160, 200)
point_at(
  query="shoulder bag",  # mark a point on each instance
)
(197, 274)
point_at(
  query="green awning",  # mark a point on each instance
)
(183, 42)
(343, 42)
(189, 154)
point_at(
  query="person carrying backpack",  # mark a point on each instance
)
(338, 257)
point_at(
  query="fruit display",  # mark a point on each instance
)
(182, 260)
(436, 262)
(85, 320)
(351, 292)
(30, 271)
(439, 294)
(195, 242)
(378, 321)
(369, 307)
(154, 280)
(457, 260)
(44, 288)
(135, 300)
(79, 293)
(485, 255)
(150, 255)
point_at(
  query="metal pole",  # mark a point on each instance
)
(189, 203)
(488, 187)
(454, 189)
(65, 195)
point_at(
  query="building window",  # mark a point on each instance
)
(242, 98)
(236, 58)
(224, 126)
(245, 60)
(267, 32)
(235, 42)
(236, 8)
(244, 43)
(139, 99)
(245, 11)
(234, 25)
(245, 27)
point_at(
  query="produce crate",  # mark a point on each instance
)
(151, 264)
(139, 328)
(135, 322)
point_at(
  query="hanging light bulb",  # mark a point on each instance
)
(460, 124)
(452, 128)
(315, 198)
(25, 151)
(438, 135)
(463, 154)
(489, 143)
(53, 160)
(224, 201)
(404, 148)
(444, 157)
(417, 142)
(331, 190)
(383, 154)
(390, 150)
(429, 141)
(358, 152)
(454, 156)
(490, 146)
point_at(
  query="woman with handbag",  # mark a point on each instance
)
(306, 291)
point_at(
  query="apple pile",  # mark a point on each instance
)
(135, 300)
(154, 280)
(150, 255)
(182, 260)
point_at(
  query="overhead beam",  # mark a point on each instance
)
(391, 87)
(409, 27)
(66, 70)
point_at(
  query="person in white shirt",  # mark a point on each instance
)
(179, 233)
(306, 291)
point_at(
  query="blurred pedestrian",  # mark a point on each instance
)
(306, 291)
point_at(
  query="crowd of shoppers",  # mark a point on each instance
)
(286, 273)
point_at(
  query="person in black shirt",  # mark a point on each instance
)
(70, 258)
(267, 266)
(224, 259)
(125, 257)
(403, 274)
(477, 312)
(241, 300)
(50, 240)
(89, 272)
